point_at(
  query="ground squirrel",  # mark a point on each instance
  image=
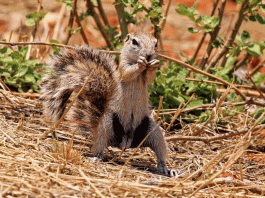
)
(114, 105)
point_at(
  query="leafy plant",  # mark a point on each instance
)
(171, 83)
(18, 71)
(34, 17)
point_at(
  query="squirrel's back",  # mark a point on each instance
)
(71, 68)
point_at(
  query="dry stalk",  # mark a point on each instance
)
(92, 185)
(70, 105)
(214, 112)
(219, 157)
(90, 6)
(218, 83)
(243, 91)
(82, 29)
(259, 66)
(179, 110)
(71, 21)
(213, 35)
(254, 84)
(215, 3)
(159, 107)
(5, 87)
(210, 139)
(233, 158)
(176, 115)
(232, 36)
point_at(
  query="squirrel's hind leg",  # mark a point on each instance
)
(103, 135)
(157, 143)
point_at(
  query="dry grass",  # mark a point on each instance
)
(61, 167)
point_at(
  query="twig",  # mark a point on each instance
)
(21, 94)
(92, 185)
(102, 13)
(70, 105)
(214, 111)
(203, 73)
(99, 24)
(159, 107)
(213, 35)
(212, 162)
(163, 23)
(71, 21)
(210, 139)
(242, 62)
(178, 112)
(122, 19)
(247, 92)
(205, 33)
(176, 115)
(232, 159)
(5, 87)
(217, 83)
(12, 140)
(240, 169)
(232, 36)
(254, 84)
(59, 22)
(225, 104)
(82, 29)
(252, 72)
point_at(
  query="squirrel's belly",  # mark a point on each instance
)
(128, 138)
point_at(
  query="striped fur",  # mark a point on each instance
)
(71, 68)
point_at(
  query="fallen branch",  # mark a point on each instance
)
(210, 139)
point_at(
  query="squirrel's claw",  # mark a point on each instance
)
(154, 63)
(162, 168)
(142, 62)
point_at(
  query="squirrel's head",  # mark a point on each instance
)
(139, 44)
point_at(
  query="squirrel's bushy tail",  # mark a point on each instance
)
(71, 68)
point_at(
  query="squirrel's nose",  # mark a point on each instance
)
(148, 58)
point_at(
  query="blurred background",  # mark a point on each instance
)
(176, 40)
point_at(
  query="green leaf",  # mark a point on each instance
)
(193, 30)
(239, 1)
(182, 10)
(206, 19)
(70, 29)
(245, 36)
(195, 103)
(221, 37)
(22, 71)
(117, 3)
(260, 19)
(6, 50)
(127, 3)
(30, 22)
(4, 72)
(215, 22)
(254, 2)
(54, 41)
(216, 44)
(254, 49)
(29, 78)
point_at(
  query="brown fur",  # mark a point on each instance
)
(115, 104)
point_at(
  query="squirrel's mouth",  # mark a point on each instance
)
(148, 58)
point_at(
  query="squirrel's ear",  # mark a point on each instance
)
(127, 38)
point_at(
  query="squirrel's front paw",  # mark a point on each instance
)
(142, 62)
(154, 64)
(162, 169)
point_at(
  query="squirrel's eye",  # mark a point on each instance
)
(134, 42)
